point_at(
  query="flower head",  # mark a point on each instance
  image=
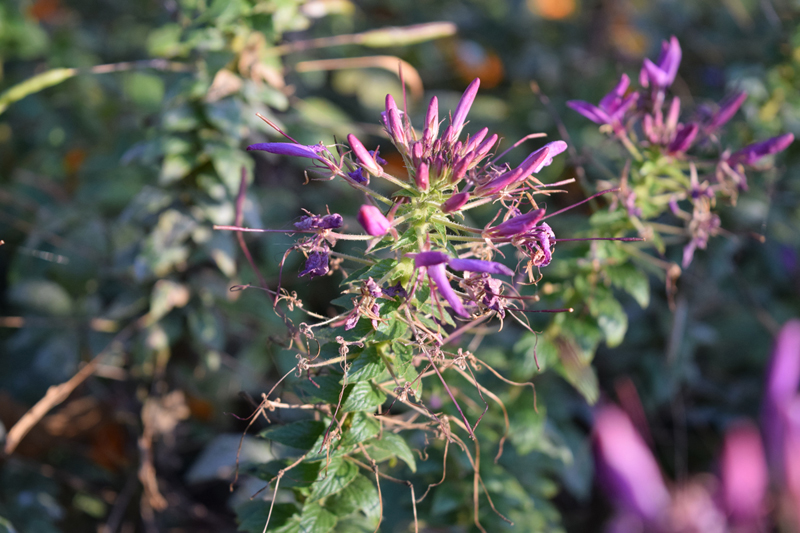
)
(662, 75)
(612, 107)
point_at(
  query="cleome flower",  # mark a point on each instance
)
(665, 153)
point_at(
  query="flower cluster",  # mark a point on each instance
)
(447, 176)
(675, 161)
(738, 502)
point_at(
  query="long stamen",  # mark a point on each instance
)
(592, 197)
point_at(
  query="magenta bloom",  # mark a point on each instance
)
(783, 379)
(751, 154)
(435, 263)
(744, 474)
(532, 164)
(612, 107)
(625, 466)
(373, 221)
(516, 225)
(662, 75)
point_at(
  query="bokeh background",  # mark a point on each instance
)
(111, 179)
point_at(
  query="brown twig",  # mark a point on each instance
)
(56, 394)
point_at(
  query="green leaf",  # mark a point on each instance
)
(394, 445)
(632, 281)
(403, 355)
(328, 389)
(332, 479)
(369, 364)
(252, 515)
(363, 396)
(362, 427)
(359, 495)
(302, 434)
(302, 475)
(316, 519)
(610, 316)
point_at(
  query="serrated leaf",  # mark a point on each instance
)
(403, 355)
(363, 396)
(362, 427)
(359, 495)
(394, 444)
(369, 364)
(302, 434)
(332, 479)
(316, 519)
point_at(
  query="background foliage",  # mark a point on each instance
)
(109, 183)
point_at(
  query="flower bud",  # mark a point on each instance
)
(461, 167)
(394, 122)
(373, 221)
(432, 119)
(366, 160)
(421, 177)
(462, 110)
(455, 202)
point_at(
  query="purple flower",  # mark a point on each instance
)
(516, 225)
(291, 149)
(683, 139)
(439, 277)
(455, 202)
(478, 265)
(612, 107)
(462, 110)
(395, 290)
(663, 74)
(625, 466)
(783, 378)
(744, 474)
(749, 155)
(426, 259)
(532, 164)
(537, 244)
(727, 108)
(316, 264)
(366, 159)
(331, 221)
(435, 262)
(373, 221)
